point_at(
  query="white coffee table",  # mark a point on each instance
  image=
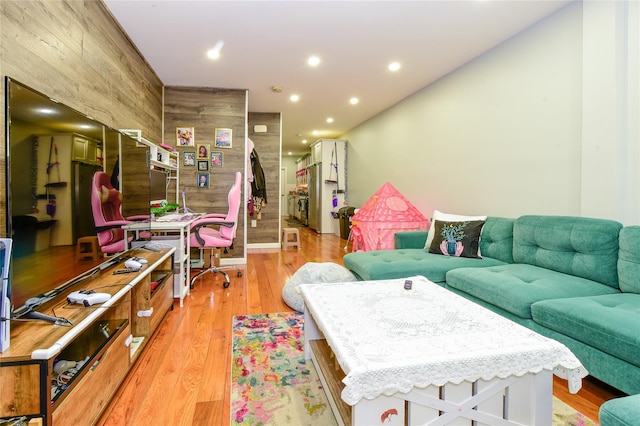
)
(429, 355)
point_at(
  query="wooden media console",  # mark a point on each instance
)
(67, 374)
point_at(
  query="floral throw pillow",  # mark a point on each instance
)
(447, 217)
(460, 239)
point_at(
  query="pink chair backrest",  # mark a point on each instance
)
(105, 204)
(234, 199)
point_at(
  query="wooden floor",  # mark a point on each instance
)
(183, 376)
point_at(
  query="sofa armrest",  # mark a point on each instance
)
(410, 239)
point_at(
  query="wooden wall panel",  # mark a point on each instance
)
(75, 52)
(206, 109)
(267, 145)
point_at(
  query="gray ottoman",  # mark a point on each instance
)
(313, 273)
(621, 411)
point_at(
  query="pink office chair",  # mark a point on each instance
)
(107, 217)
(222, 237)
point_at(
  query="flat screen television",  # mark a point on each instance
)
(158, 186)
(43, 260)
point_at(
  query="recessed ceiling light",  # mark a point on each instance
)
(354, 101)
(289, 153)
(394, 66)
(313, 61)
(215, 52)
(304, 141)
(314, 133)
(294, 98)
(330, 120)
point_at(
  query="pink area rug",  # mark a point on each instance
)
(271, 383)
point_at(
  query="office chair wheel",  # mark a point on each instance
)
(226, 284)
(239, 274)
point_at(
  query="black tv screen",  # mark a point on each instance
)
(5, 292)
(158, 186)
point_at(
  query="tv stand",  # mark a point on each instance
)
(59, 375)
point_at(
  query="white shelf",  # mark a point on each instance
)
(159, 157)
(162, 165)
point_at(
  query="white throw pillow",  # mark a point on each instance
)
(448, 217)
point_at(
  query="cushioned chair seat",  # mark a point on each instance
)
(515, 287)
(582, 319)
(389, 264)
(620, 411)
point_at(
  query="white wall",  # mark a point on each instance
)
(502, 135)
(611, 111)
(291, 166)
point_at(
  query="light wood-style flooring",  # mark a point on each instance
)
(183, 376)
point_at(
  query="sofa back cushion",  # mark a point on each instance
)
(496, 240)
(629, 259)
(580, 246)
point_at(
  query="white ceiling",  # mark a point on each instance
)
(267, 43)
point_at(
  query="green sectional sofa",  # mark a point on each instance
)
(574, 279)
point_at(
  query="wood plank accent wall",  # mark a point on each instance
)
(135, 194)
(75, 52)
(206, 109)
(267, 145)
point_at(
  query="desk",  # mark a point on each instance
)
(175, 230)
(441, 355)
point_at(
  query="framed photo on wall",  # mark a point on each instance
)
(203, 151)
(189, 158)
(223, 138)
(202, 180)
(203, 165)
(185, 136)
(216, 159)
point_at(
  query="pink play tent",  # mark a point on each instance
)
(384, 214)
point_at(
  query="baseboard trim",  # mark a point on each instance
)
(233, 261)
(263, 246)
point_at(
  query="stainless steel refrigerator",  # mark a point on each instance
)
(326, 184)
(315, 196)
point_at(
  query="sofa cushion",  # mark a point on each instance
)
(496, 240)
(515, 287)
(629, 259)
(460, 239)
(609, 322)
(623, 411)
(580, 246)
(409, 239)
(388, 264)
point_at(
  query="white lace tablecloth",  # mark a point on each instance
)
(388, 339)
